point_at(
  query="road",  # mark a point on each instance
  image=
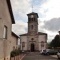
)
(37, 56)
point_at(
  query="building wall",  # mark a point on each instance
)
(37, 42)
(1, 50)
(1, 30)
(5, 20)
(1, 41)
(23, 39)
(42, 38)
(30, 41)
(35, 28)
(13, 42)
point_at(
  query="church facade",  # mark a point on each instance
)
(33, 40)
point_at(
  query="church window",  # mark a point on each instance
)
(29, 19)
(32, 39)
(42, 43)
(31, 26)
(32, 19)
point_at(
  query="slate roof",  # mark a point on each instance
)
(15, 35)
(39, 33)
(33, 13)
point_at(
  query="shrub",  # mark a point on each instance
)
(14, 53)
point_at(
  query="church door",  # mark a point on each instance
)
(32, 47)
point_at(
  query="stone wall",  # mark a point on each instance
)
(5, 20)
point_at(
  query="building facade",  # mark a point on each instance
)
(33, 40)
(14, 41)
(6, 21)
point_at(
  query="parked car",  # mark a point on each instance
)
(49, 52)
(43, 52)
(58, 54)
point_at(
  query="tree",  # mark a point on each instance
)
(48, 45)
(55, 42)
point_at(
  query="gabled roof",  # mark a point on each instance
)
(15, 35)
(10, 11)
(39, 33)
(24, 34)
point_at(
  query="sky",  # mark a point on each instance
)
(48, 12)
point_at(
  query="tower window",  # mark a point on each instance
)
(31, 20)
(31, 26)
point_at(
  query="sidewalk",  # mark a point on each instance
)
(22, 56)
(55, 56)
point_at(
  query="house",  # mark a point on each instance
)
(33, 40)
(6, 21)
(14, 41)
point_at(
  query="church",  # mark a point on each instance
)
(33, 40)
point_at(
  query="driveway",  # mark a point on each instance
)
(37, 56)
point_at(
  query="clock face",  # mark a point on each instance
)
(32, 16)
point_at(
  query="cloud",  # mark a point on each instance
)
(20, 27)
(53, 24)
(21, 8)
(50, 9)
(47, 9)
(21, 5)
(51, 27)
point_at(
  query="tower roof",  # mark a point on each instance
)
(32, 13)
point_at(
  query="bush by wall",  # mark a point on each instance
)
(15, 52)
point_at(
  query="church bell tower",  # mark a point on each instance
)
(32, 23)
(32, 37)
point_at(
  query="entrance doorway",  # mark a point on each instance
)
(32, 47)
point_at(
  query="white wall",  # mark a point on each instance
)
(42, 38)
(23, 39)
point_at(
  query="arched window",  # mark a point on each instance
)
(32, 39)
(42, 43)
(31, 26)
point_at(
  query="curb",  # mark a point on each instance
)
(23, 56)
(53, 56)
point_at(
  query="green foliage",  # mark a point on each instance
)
(15, 52)
(49, 47)
(55, 42)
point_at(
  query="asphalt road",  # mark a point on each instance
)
(37, 56)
